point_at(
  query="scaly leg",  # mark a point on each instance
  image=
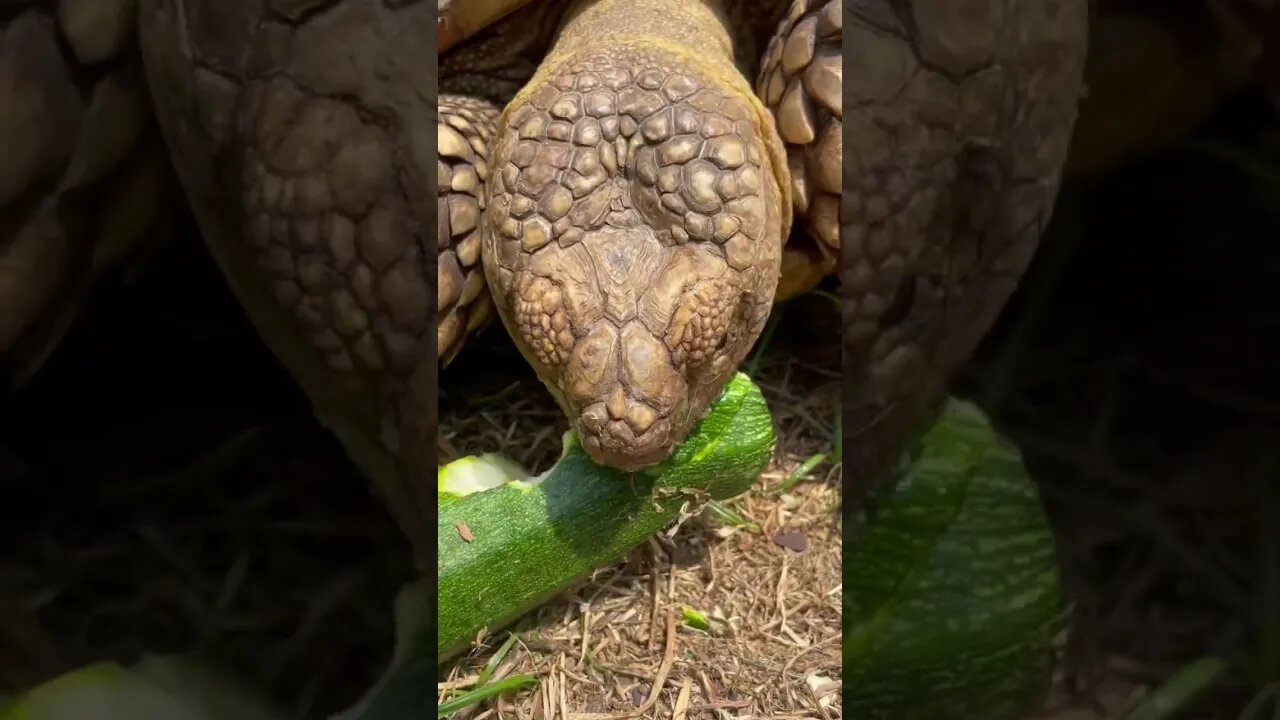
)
(476, 79)
(800, 80)
(464, 135)
(959, 120)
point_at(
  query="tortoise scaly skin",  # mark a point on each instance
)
(84, 179)
(697, 176)
(629, 205)
(302, 134)
(958, 124)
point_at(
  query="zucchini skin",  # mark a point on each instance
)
(528, 542)
(953, 598)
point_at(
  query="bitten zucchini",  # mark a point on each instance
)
(504, 550)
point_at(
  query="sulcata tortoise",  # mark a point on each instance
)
(622, 176)
(634, 183)
(633, 279)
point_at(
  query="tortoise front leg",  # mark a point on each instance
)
(307, 177)
(959, 123)
(464, 135)
(799, 80)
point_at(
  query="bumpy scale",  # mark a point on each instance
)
(800, 80)
(639, 197)
(627, 214)
(959, 118)
(84, 177)
(311, 183)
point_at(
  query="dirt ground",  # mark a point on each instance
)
(1137, 370)
(171, 491)
(176, 495)
(602, 648)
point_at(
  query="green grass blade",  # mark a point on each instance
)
(467, 699)
(1183, 687)
(730, 517)
(492, 666)
(801, 472)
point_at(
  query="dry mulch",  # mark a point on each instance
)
(602, 648)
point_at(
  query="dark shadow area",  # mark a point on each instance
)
(1138, 370)
(171, 491)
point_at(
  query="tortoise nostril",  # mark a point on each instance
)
(593, 418)
(618, 419)
(618, 408)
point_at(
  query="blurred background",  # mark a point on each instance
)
(170, 489)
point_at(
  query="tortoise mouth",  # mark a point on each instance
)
(617, 444)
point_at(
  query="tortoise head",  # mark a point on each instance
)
(632, 239)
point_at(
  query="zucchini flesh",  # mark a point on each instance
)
(504, 551)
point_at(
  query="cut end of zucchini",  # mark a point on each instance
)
(169, 687)
(474, 474)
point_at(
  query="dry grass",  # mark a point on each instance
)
(602, 648)
(168, 490)
(1145, 396)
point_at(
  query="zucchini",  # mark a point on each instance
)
(172, 687)
(952, 595)
(504, 550)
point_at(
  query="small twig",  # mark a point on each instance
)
(722, 705)
(822, 643)
(659, 680)
(653, 580)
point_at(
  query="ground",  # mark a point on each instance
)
(603, 646)
(1137, 369)
(169, 489)
(172, 491)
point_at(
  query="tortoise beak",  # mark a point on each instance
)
(624, 432)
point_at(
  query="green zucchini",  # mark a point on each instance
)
(952, 595)
(172, 687)
(504, 550)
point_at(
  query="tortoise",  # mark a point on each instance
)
(628, 204)
(633, 183)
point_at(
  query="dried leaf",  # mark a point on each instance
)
(793, 540)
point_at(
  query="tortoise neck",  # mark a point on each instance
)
(699, 27)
